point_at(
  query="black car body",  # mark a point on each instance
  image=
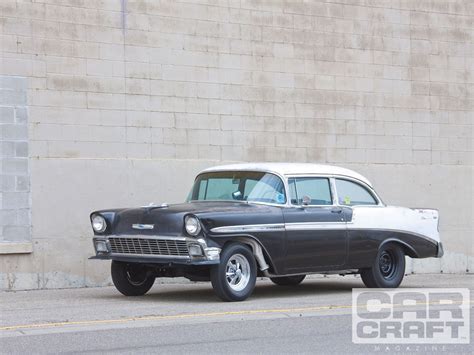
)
(281, 221)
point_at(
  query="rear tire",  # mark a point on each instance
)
(288, 280)
(234, 278)
(131, 279)
(388, 268)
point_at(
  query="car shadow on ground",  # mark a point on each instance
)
(203, 293)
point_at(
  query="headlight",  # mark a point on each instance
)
(98, 223)
(192, 225)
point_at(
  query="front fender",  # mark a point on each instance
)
(267, 258)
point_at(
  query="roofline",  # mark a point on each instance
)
(254, 167)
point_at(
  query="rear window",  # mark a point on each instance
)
(350, 193)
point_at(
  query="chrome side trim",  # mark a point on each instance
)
(250, 228)
(336, 272)
(308, 226)
(280, 227)
(315, 226)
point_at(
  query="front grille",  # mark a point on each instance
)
(146, 246)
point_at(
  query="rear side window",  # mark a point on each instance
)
(317, 190)
(350, 193)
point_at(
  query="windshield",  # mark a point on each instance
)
(238, 186)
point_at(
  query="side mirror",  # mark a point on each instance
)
(306, 200)
(237, 195)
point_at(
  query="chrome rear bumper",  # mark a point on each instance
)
(440, 251)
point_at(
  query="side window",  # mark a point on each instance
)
(317, 189)
(349, 193)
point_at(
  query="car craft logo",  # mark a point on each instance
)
(411, 316)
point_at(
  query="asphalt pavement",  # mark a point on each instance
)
(314, 317)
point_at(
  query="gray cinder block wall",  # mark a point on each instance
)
(127, 100)
(15, 222)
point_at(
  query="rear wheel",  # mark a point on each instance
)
(288, 280)
(388, 268)
(131, 279)
(233, 279)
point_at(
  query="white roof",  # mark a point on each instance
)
(291, 169)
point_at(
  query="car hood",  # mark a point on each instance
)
(169, 220)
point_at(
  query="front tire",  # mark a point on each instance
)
(388, 268)
(131, 279)
(288, 280)
(234, 278)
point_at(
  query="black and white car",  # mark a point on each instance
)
(277, 220)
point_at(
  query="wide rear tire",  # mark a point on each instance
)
(288, 280)
(131, 279)
(388, 268)
(234, 278)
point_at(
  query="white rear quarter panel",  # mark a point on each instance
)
(423, 222)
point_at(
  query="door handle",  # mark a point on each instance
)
(336, 210)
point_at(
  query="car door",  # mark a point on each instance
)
(315, 226)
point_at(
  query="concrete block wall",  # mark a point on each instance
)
(127, 100)
(15, 221)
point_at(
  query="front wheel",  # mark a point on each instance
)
(131, 279)
(233, 279)
(388, 268)
(288, 280)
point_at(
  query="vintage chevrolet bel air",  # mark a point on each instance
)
(276, 220)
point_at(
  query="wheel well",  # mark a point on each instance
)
(407, 249)
(263, 260)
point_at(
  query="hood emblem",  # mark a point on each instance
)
(143, 226)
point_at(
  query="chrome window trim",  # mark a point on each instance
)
(325, 175)
(243, 202)
(334, 191)
(267, 203)
(370, 190)
(332, 178)
(282, 178)
(290, 169)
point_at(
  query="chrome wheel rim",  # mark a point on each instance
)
(237, 272)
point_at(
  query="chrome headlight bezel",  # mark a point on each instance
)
(192, 225)
(99, 223)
